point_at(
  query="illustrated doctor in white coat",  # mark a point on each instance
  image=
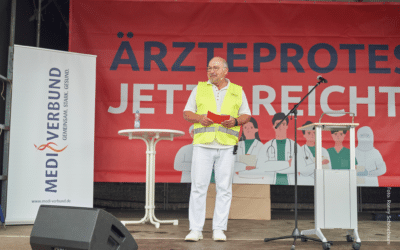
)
(248, 147)
(306, 176)
(368, 158)
(183, 160)
(275, 160)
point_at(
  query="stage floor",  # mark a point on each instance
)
(241, 234)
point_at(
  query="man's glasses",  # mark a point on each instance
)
(215, 68)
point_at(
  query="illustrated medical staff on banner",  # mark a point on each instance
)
(248, 147)
(183, 160)
(306, 176)
(339, 155)
(275, 163)
(370, 161)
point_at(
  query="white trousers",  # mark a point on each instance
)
(202, 164)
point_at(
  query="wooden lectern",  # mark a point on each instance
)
(335, 191)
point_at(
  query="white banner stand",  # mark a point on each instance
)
(51, 132)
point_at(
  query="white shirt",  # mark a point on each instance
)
(219, 98)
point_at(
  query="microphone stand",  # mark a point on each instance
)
(296, 233)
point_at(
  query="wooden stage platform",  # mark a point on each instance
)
(241, 234)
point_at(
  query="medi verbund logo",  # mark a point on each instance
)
(53, 129)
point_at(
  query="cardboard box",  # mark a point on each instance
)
(249, 201)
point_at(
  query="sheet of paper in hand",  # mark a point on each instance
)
(217, 118)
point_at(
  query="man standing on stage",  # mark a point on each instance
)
(213, 144)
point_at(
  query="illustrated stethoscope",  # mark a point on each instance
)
(306, 153)
(273, 148)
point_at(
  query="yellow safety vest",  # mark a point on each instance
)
(205, 101)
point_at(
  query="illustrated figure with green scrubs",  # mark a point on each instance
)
(339, 155)
(275, 163)
(248, 147)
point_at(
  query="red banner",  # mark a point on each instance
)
(152, 54)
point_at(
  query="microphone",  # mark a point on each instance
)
(321, 79)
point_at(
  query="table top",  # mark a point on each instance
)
(329, 126)
(151, 132)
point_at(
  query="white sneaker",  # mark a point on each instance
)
(218, 235)
(194, 236)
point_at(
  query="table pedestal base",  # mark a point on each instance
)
(150, 216)
(150, 137)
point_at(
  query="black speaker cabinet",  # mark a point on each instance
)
(76, 228)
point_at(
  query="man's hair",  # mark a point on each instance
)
(279, 116)
(223, 61)
(307, 122)
(334, 131)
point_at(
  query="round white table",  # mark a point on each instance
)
(150, 137)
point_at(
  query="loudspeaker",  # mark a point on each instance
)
(76, 228)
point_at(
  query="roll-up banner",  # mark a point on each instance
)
(51, 132)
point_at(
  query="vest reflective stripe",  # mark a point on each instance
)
(205, 101)
(228, 131)
(203, 130)
(213, 129)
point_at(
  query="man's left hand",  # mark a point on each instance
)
(229, 123)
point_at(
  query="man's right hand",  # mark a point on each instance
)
(205, 121)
